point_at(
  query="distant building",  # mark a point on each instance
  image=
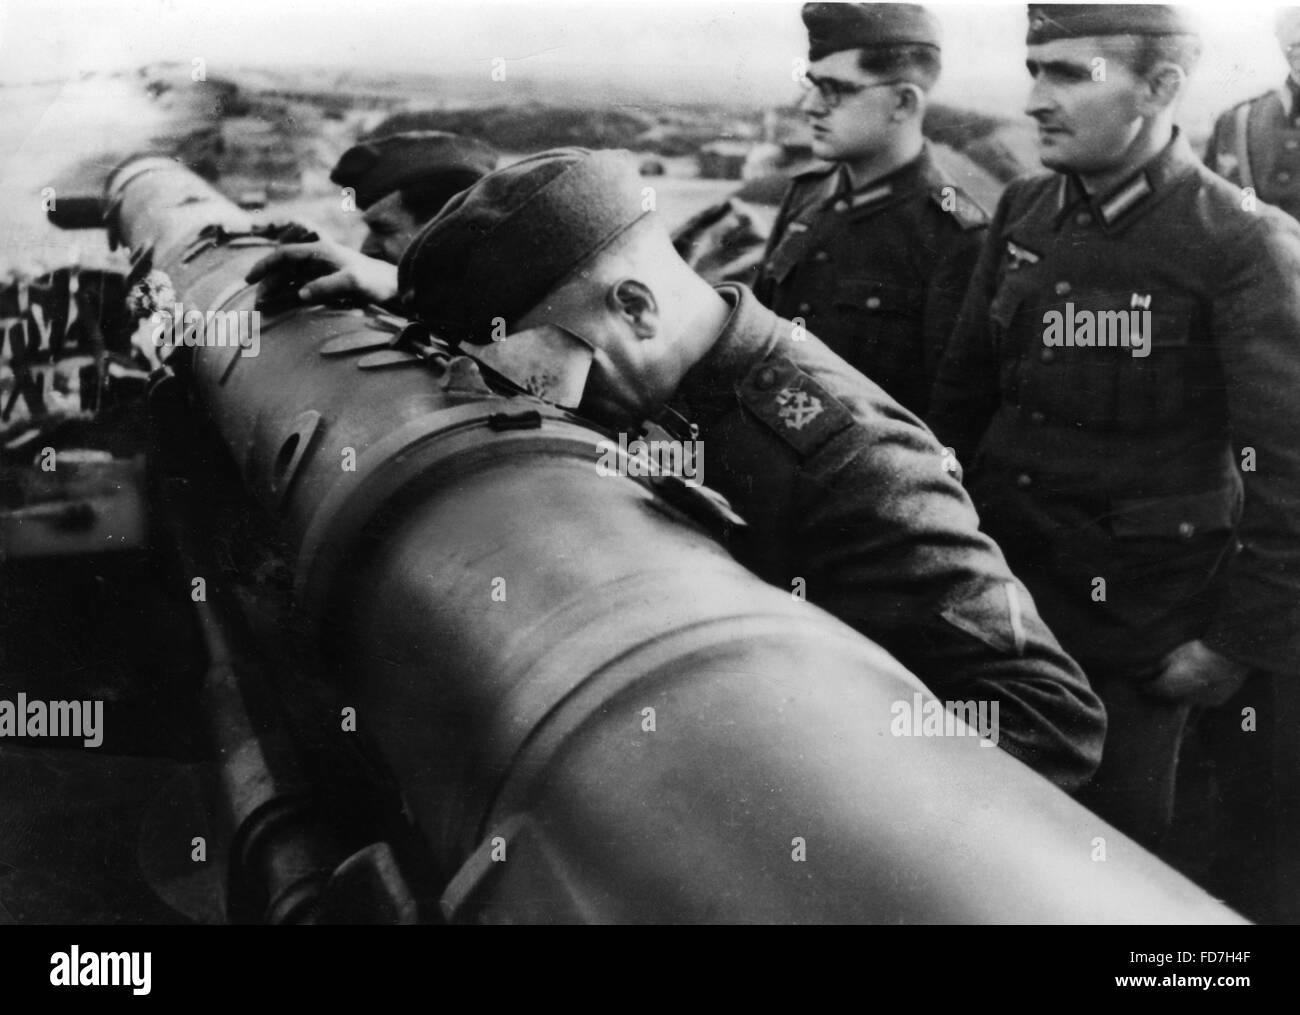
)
(252, 198)
(723, 160)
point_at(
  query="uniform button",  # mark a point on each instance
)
(873, 302)
(765, 379)
(1186, 530)
(1283, 177)
(1036, 417)
(1062, 288)
(1024, 480)
(841, 206)
(805, 308)
(1082, 219)
(821, 257)
(1047, 355)
(1291, 144)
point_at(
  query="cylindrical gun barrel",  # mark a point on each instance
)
(593, 712)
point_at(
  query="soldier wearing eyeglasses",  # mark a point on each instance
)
(873, 252)
(1256, 144)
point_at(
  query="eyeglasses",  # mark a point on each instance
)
(834, 91)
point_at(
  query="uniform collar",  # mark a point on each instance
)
(709, 388)
(904, 181)
(1112, 209)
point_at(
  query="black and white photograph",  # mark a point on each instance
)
(545, 463)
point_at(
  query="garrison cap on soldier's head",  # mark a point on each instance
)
(836, 26)
(497, 248)
(1049, 22)
(377, 168)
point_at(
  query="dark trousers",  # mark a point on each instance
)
(1206, 792)
(1134, 787)
(1255, 798)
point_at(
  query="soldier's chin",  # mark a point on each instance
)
(1055, 160)
(825, 148)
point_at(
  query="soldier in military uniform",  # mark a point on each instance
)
(873, 253)
(1256, 144)
(848, 497)
(400, 181)
(1148, 491)
(403, 180)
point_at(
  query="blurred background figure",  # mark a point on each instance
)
(1256, 144)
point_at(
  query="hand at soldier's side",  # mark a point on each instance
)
(335, 272)
(1195, 673)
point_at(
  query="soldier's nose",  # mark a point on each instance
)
(811, 104)
(1038, 102)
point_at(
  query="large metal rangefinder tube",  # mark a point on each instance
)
(593, 712)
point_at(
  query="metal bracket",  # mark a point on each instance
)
(217, 235)
(295, 445)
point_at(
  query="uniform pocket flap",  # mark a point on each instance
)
(1173, 316)
(879, 296)
(1179, 517)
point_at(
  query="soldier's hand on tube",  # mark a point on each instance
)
(298, 232)
(333, 270)
(1195, 673)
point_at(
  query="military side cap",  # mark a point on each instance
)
(497, 248)
(1049, 22)
(836, 26)
(377, 168)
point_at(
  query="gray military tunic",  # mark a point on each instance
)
(877, 273)
(847, 491)
(1173, 477)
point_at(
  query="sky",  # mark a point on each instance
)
(732, 52)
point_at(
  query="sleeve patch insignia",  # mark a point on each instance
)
(797, 408)
(793, 405)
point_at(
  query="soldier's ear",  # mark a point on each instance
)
(909, 101)
(635, 303)
(1164, 84)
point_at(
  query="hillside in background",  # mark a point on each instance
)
(269, 137)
